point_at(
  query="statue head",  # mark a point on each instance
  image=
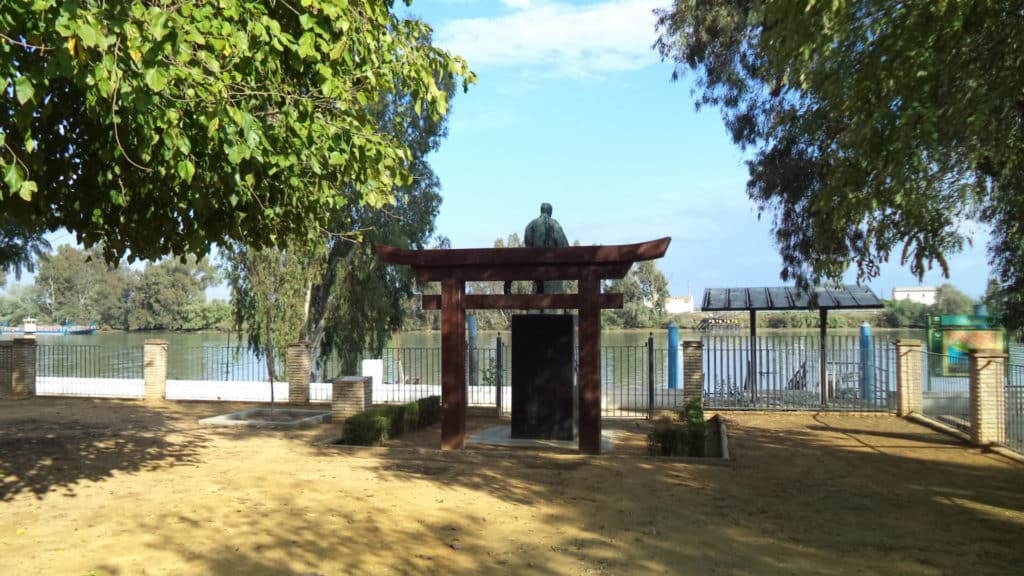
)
(545, 208)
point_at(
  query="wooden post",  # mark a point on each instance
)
(453, 365)
(590, 366)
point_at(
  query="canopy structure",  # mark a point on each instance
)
(783, 298)
(588, 265)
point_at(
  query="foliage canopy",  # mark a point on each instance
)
(877, 128)
(153, 127)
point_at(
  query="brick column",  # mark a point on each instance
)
(299, 363)
(908, 377)
(988, 415)
(350, 396)
(6, 368)
(693, 370)
(154, 369)
(23, 364)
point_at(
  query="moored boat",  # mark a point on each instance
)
(29, 326)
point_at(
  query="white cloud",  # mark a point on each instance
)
(564, 39)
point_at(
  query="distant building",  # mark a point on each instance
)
(921, 294)
(679, 304)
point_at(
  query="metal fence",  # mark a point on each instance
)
(945, 389)
(1014, 408)
(218, 363)
(635, 379)
(88, 370)
(88, 361)
(785, 373)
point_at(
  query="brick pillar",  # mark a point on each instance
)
(350, 396)
(23, 367)
(154, 369)
(6, 368)
(693, 370)
(908, 376)
(299, 363)
(988, 414)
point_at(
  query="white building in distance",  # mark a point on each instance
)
(679, 304)
(928, 295)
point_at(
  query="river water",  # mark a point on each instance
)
(213, 355)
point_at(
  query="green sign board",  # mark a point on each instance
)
(952, 337)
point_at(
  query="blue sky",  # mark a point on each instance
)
(573, 107)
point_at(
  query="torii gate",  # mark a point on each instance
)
(588, 265)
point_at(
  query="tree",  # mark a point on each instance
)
(166, 289)
(70, 283)
(269, 287)
(952, 301)
(17, 304)
(877, 127)
(20, 248)
(905, 313)
(644, 291)
(993, 300)
(155, 127)
(349, 301)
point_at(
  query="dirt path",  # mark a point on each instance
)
(102, 487)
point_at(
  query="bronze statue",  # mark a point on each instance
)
(545, 232)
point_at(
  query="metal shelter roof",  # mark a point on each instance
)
(848, 297)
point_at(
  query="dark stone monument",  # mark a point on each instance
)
(543, 376)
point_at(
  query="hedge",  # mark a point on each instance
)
(376, 425)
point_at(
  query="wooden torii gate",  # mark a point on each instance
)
(588, 265)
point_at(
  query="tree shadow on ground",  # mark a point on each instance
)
(808, 498)
(832, 495)
(52, 444)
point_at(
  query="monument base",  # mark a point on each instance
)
(543, 376)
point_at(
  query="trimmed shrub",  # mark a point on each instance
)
(411, 417)
(368, 428)
(693, 415)
(396, 414)
(680, 439)
(668, 440)
(429, 410)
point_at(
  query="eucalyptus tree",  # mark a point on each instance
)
(644, 290)
(68, 284)
(156, 127)
(876, 129)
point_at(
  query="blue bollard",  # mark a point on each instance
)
(673, 356)
(867, 363)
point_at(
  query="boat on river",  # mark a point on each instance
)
(29, 326)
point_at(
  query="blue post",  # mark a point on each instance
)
(867, 363)
(673, 356)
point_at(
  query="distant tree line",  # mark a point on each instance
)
(79, 287)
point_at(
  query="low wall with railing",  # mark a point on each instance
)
(771, 373)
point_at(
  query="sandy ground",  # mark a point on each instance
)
(111, 487)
